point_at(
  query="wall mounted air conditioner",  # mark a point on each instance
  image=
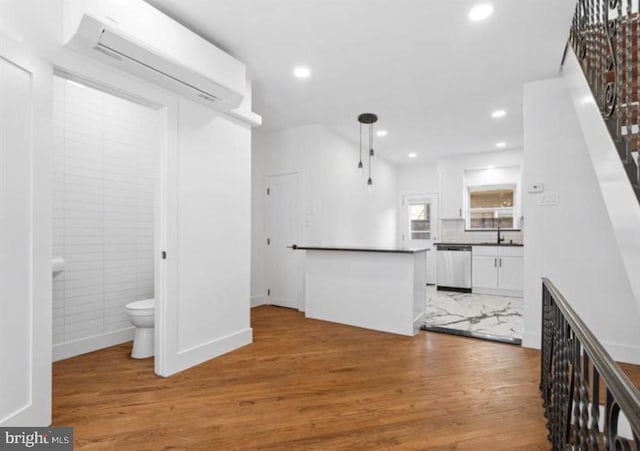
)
(137, 38)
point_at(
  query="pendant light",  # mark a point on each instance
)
(368, 119)
(360, 165)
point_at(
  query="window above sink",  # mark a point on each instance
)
(491, 207)
(492, 199)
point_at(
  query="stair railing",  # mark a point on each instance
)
(577, 376)
(605, 36)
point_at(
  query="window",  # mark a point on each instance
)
(420, 220)
(491, 207)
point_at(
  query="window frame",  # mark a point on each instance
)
(410, 230)
(497, 186)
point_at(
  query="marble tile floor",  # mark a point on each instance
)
(496, 318)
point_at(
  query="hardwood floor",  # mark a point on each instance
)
(306, 384)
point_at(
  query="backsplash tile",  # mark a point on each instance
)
(453, 231)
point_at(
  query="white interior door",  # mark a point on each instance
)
(285, 266)
(420, 227)
(25, 237)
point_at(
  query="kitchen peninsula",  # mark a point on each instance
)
(376, 288)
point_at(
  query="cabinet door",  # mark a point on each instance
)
(451, 195)
(510, 274)
(484, 272)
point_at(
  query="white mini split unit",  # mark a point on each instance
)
(139, 39)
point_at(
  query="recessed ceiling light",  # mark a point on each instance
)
(498, 113)
(480, 12)
(302, 72)
(501, 144)
(381, 133)
(413, 155)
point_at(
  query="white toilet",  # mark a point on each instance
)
(141, 315)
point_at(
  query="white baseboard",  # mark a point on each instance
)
(258, 300)
(84, 345)
(418, 322)
(497, 292)
(619, 352)
(623, 353)
(531, 340)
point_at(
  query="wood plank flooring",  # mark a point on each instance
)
(306, 384)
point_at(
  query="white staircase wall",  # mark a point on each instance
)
(620, 200)
(570, 235)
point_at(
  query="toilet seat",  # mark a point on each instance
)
(142, 304)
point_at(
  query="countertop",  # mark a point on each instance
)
(479, 244)
(392, 250)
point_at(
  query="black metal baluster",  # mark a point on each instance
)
(595, 411)
(585, 398)
(570, 383)
(629, 81)
(618, 70)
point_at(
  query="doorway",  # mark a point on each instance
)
(419, 227)
(106, 157)
(285, 266)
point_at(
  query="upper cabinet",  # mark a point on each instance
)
(457, 175)
(451, 192)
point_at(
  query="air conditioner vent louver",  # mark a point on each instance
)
(107, 52)
(208, 98)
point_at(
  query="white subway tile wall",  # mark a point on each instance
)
(103, 207)
(452, 231)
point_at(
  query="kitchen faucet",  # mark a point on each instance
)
(500, 238)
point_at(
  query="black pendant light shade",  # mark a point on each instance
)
(367, 119)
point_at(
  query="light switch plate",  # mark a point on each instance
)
(535, 187)
(550, 198)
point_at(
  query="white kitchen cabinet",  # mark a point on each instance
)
(483, 272)
(497, 270)
(451, 194)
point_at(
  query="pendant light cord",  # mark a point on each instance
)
(370, 147)
(360, 144)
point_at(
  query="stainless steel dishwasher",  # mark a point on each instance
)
(454, 267)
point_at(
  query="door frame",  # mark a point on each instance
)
(403, 226)
(74, 66)
(268, 278)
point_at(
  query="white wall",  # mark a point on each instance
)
(418, 179)
(258, 221)
(105, 152)
(42, 31)
(571, 243)
(337, 208)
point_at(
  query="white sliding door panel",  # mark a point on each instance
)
(206, 311)
(25, 237)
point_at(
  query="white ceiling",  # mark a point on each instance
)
(432, 76)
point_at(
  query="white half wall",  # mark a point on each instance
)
(571, 242)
